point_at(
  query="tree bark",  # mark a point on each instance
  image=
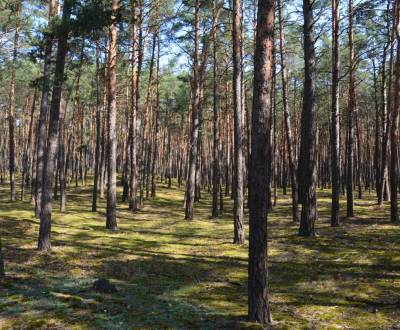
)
(308, 157)
(98, 131)
(28, 147)
(394, 133)
(288, 130)
(41, 130)
(44, 243)
(111, 222)
(238, 127)
(259, 174)
(335, 116)
(216, 141)
(11, 109)
(350, 115)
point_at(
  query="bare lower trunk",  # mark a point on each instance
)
(238, 128)
(44, 243)
(41, 130)
(111, 222)
(335, 117)
(394, 133)
(259, 173)
(11, 113)
(308, 159)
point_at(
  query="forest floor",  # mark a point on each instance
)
(175, 274)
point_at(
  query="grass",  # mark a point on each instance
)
(174, 274)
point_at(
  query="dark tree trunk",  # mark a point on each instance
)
(156, 123)
(238, 127)
(191, 178)
(98, 131)
(394, 133)
(11, 109)
(308, 157)
(44, 243)
(135, 97)
(111, 222)
(350, 115)
(335, 116)
(28, 147)
(216, 141)
(41, 131)
(259, 173)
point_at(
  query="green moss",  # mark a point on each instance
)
(171, 273)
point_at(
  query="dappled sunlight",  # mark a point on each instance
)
(171, 273)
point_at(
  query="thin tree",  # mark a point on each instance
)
(111, 222)
(193, 149)
(98, 130)
(285, 105)
(259, 172)
(394, 133)
(238, 127)
(11, 108)
(216, 141)
(350, 115)
(335, 116)
(135, 79)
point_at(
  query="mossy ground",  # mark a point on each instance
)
(175, 274)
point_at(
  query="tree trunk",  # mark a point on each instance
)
(98, 131)
(44, 243)
(216, 142)
(335, 116)
(111, 222)
(190, 185)
(308, 159)
(289, 139)
(394, 133)
(28, 147)
(238, 127)
(259, 174)
(350, 115)
(41, 130)
(11, 113)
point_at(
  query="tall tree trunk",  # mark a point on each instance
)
(44, 243)
(135, 96)
(216, 142)
(350, 115)
(111, 222)
(335, 116)
(98, 130)
(156, 123)
(385, 125)
(11, 109)
(308, 157)
(28, 147)
(238, 127)
(41, 130)
(394, 133)
(289, 139)
(259, 174)
(190, 185)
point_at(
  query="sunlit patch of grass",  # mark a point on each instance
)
(171, 273)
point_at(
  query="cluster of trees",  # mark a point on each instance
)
(223, 97)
